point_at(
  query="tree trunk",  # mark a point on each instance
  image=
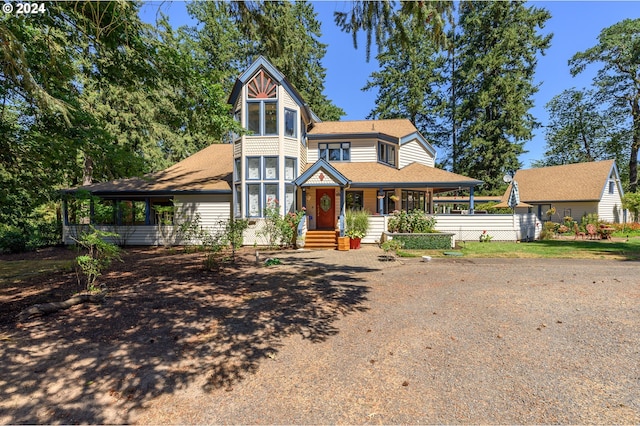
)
(87, 170)
(48, 308)
(635, 144)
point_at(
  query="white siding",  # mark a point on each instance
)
(291, 147)
(213, 209)
(610, 206)
(129, 235)
(303, 158)
(413, 151)
(377, 225)
(287, 100)
(364, 151)
(237, 149)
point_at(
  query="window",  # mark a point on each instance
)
(355, 200)
(612, 186)
(238, 210)
(290, 123)
(270, 168)
(335, 151)
(253, 168)
(270, 194)
(290, 169)
(388, 205)
(262, 117)
(289, 198)
(253, 200)
(237, 171)
(413, 200)
(386, 153)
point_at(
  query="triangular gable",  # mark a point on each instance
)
(613, 176)
(321, 173)
(269, 68)
(417, 136)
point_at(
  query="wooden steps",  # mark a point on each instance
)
(325, 240)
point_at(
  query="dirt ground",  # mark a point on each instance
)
(326, 337)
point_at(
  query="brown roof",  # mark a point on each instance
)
(570, 182)
(396, 127)
(414, 173)
(207, 170)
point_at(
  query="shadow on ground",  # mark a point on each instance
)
(166, 324)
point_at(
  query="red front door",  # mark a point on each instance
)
(325, 208)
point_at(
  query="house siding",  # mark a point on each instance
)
(413, 151)
(291, 147)
(287, 100)
(261, 146)
(362, 151)
(610, 206)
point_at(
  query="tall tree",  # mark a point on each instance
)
(411, 80)
(618, 50)
(284, 32)
(496, 47)
(580, 129)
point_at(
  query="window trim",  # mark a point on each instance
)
(387, 151)
(342, 151)
(295, 124)
(247, 177)
(262, 116)
(237, 169)
(404, 200)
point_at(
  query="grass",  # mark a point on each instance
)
(16, 270)
(566, 249)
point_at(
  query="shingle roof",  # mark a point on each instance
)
(570, 182)
(208, 170)
(414, 174)
(395, 127)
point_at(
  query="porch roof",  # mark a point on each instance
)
(415, 175)
(208, 171)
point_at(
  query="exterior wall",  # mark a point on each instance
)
(414, 152)
(361, 150)
(610, 206)
(578, 209)
(214, 210)
(501, 227)
(254, 146)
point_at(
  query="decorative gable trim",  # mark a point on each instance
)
(321, 173)
(614, 176)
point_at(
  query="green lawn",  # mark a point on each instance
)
(568, 249)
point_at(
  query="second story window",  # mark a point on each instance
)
(290, 120)
(262, 117)
(386, 153)
(335, 151)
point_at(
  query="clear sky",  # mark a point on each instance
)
(575, 26)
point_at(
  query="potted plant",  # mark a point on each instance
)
(357, 225)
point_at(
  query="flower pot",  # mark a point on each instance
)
(343, 243)
(354, 243)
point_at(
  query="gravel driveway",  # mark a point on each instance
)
(448, 341)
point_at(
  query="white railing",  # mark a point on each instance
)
(501, 227)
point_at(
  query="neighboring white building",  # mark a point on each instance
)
(573, 190)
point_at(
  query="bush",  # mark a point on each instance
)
(548, 231)
(357, 223)
(414, 222)
(12, 239)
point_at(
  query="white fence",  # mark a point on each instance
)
(501, 227)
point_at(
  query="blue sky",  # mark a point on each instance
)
(574, 24)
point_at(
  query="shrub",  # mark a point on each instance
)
(99, 256)
(414, 222)
(356, 223)
(12, 239)
(424, 242)
(548, 231)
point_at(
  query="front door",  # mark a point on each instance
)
(326, 208)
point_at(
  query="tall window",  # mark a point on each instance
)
(386, 153)
(253, 168)
(262, 109)
(290, 119)
(413, 200)
(290, 169)
(355, 200)
(253, 200)
(271, 168)
(289, 198)
(335, 151)
(237, 170)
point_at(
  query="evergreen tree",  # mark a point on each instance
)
(580, 130)
(286, 33)
(618, 81)
(496, 50)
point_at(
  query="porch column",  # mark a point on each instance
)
(65, 211)
(381, 201)
(342, 212)
(471, 201)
